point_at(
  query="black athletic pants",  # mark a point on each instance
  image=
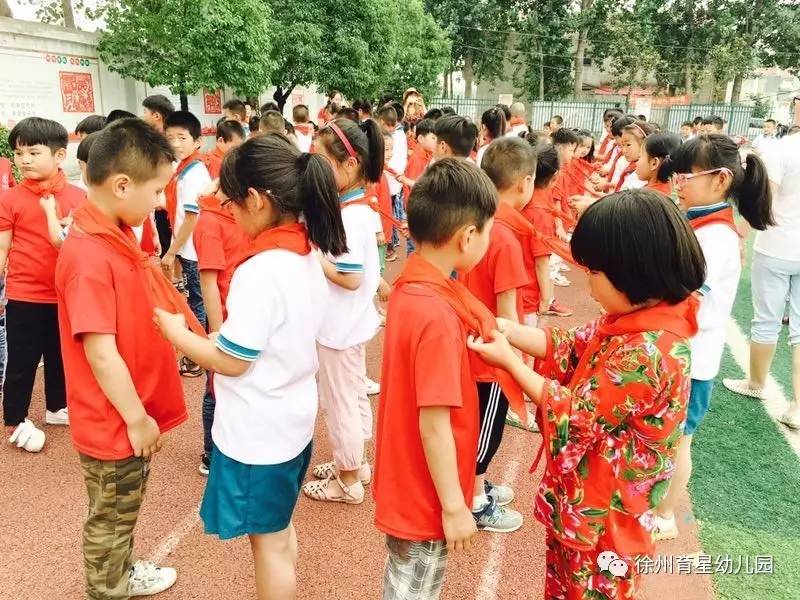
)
(32, 332)
(493, 408)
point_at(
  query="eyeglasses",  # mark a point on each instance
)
(681, 179)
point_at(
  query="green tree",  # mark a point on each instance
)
(188, 45)
(422, 52)
(58, 12)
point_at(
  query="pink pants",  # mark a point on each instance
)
(343, 396)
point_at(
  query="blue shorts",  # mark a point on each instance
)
(699, 399)
(243, 499)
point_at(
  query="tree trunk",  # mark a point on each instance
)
(444, 82)
(469, 75)
(5, 9)
(580, 51)
(689, 82)
(541, 74)
(736, 92)
(281, 96)
(69, 14)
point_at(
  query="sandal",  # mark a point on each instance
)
(328, 470)
(188, 368)
(331, 489)
(740, 386)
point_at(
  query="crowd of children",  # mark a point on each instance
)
(260, 261)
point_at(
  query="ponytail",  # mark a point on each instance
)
(663, 146)
(295, 183)
(343, 139)
(494, 119)
(753, 195)
(750, 184)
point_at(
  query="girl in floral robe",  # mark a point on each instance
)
(611, 394)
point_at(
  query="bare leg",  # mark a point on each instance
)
(680, 478)
(275, 561)
(796, 374)
(761, 356)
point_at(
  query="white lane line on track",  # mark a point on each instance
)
(171, 541)
(490, 578)
(776, 403)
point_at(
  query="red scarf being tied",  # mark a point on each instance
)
(46, 187)
(477, 319)
(292, 237)
(517, 222)
(171, 191)
(720, 217)
(160, 292)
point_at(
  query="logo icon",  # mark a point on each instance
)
(609, 561)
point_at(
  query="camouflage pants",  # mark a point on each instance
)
(115, 489)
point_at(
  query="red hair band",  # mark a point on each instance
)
(343, 138)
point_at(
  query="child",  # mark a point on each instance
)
(493, 126)
(272, 122)
(183, 192)
(387, 117)
(427, 429)
(382, 196)
(632, 140)
(687, 131)
(654, 161)
(455, 136)
(612, 393)
(556, 123)
(363, 108)
(124, 393)
(356, 153)
(219, 242)
(607, 141)
(303, 130)
(90, 125)
(229, 135)
(497, 281)
(40, 147)
(264, 358)
(420, 158)
(565, 142)
(540, 212)
(156, 110)
(709, 171)
(235, 110)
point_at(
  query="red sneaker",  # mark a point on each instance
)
(557, 310)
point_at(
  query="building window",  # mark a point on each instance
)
(587, 61)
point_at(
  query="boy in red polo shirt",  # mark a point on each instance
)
(229, 135)
(497, 281)
(427, 430)
(220, 243)
(124, 390)
(40, 147)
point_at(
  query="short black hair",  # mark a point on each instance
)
(33, 131)
(547, 164)
(160, 104)
(424, 127)
(90, 124)
(300, 113)
(268, 106)
(363, 106)
(457, 132)
(398, 108)
(697, 120)
(184, 120)
(773, 121)
(448, 110)
(129, 146)
(663, 146)
(388, 115)
(82, 154)
(558, 119)
(119, 113)
(272, 120)
(565, 136)
(451, 194)
(610, 114)
(253, 123)
(643, 244)
(504, 108)
(227, 129)
(507, 159)
(433, 114)
(621, 123)
(237, 107)
(714, 120)
(348, 113)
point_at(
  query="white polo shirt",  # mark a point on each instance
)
(191, 184)
(276, 305)
(783, 166)
(352, 318)
(399, 159)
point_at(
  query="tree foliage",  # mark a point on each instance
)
(188, 45)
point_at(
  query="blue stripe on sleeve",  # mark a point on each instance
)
(349, 267)
(235, 350)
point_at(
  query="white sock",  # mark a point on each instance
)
(478, 502)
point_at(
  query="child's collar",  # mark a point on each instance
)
(701, 211)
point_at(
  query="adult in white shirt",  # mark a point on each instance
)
(775, 276)
(767, 137)
(517, 124)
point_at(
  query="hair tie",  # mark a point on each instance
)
(343, 138)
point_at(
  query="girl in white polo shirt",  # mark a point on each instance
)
(264, 357)
(709, 174)
(356, 153)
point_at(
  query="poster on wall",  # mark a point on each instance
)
(56, 86)
(212, 102)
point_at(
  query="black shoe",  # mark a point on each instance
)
(205, 464)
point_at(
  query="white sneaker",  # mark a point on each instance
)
(27, 436)
(560, 280)
(666, 529)
(791, 418)
(60, 417)
(373, 387)
(146, 579)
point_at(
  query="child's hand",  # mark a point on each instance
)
(459, 528)
(66, 221)
(168, 323)
(580, 204)
(381, 238)
(48, 203)
(404, 230)
(384, 290)
(507, 328)
(145, 437)
(498, 352)
(168, 265)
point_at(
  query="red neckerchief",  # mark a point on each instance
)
(292, 237)
(477, 319)
(46, 187)
(517, 222)
(370, 199)
(304, 128)
(171, 190)
(514, 121)
(161, 293)
(723, 216)
(665, 187)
